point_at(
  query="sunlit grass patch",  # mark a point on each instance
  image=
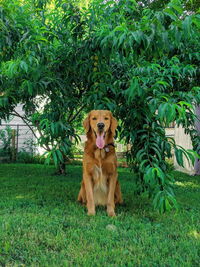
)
(41, 224)
(195, 234)
(188, 184)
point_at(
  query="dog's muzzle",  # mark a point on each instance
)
(100, 126)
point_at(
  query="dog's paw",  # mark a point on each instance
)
(91, 213)
(111, 213)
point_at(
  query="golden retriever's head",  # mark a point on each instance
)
(101, 123)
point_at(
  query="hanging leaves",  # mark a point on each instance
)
(141, 62)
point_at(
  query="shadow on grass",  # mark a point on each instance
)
(25, 186)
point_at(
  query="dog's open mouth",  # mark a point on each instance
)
(100, 139)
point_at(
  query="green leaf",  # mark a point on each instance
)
(120, 28)
(48, 158)
(170, 13)
(187, 25)
(167, 205)
(164, 83)
(24, 66)
(177, 6)
(179, 156)
(121, 39)
(196, 21)
(60, 156)
(55, 158)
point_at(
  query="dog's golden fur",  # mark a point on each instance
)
(100, 185)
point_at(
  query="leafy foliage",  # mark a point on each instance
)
(148, 64)
(37, 60)
(140, 60)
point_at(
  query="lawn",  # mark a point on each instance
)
(41, 224)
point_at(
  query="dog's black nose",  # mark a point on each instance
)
(100, 125)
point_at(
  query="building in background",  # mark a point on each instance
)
(24, 138)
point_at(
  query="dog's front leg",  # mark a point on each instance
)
(89, 194)
(111, 193)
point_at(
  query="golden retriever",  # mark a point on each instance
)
(99, 184)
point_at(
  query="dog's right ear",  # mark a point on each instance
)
(86, 123)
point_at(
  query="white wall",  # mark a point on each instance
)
(183, 140)
(24, 133)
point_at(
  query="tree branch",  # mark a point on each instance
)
(25, 120)
(76, 114)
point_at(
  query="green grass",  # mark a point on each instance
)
(41, 224)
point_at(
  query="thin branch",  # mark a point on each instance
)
(25, 121)
(76, 114)
(46, 146)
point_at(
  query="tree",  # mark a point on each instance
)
(139, 62)
(148, 68)
(189, 5)
(39, 51)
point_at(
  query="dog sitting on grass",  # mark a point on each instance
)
(100, 185)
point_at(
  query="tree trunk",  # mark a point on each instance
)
(197, 125)
(61, 169)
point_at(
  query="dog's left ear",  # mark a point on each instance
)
(113, 125)
(86, 123)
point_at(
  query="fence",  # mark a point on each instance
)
(15, 138)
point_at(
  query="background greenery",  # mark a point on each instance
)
(138, 59)
(41, 224)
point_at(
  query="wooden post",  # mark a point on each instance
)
(13, 145)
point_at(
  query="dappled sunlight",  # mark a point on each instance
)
(26, 196)
(194, 234)
(41, 214)
(20, 197)
(188, 184)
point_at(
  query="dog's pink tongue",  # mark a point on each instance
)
(100, 141)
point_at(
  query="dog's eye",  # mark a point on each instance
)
(94, 119)
(106, 118)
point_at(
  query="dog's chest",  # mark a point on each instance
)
(100, 186)
(100, 154)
